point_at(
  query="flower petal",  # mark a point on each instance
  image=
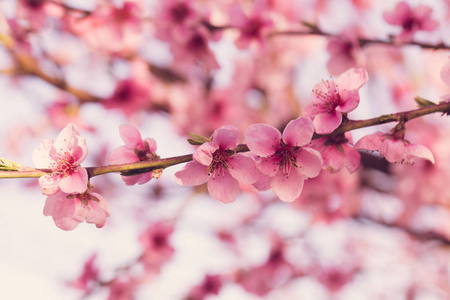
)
(49, 184)
(350, 101)
(352, 79)
(204, 153)
(41, 155)
(287, 188)
(371, 142)
(227, 137)
(262, 139)
(309, 162)
(298, 132)
(269, 166)
(243, 168)
(420, 151)
(224, 188)
(122, 155)
(75, 183)
(131, 137)
(327, 122)
(193, 173)
(393, 150)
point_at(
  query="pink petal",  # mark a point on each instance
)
(350, 101)
(309, 162)
(49, 184)
(371, 142)
(287, 188)
(400, 13)
(243, 168)
(227, 137)
(66, 213)
(41, 155)
(79, 150)
(420, 151)
(122, 155)
(393, 150)
(131, 137)
(269, 166)
(151, 144)
(333, 159)
(65, 139)
(298, 132)
(353, 160)
(321, 89)
(327, 122)
(352, 79)
(204, 153)
(224, 188)
(75, 183)
(445, 73)
(98, 211)
(262, 139)
(193, 173)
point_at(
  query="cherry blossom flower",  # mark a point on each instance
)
(270, 275)
(217, 163)
(37, 11)
(331, 99)
(210, 285)
(69, 210)
(394, 149)
(345, 52)
(337, 153)
(285, 160)
(63, 157)
(88, 278)
(135, 149)
(156, 243)
(411, 20)
(252, 27)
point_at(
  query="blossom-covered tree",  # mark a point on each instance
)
(295, 184)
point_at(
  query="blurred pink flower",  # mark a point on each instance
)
(63, 157)
(156, 244)
(345, 52)
(394, 149)
(331, 99)
(37, 11)
(130, 95)
(135, 149)
(88, 278)
(216, 162)
(210, 285)
(337, 153)
(252, 27)
(69, 210)
(285, 160)
(411, 20)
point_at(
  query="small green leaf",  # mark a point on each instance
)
(197, 139)
(422, 102)
(8, 165)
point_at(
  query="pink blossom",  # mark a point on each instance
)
(411, 20)
(192, 48)
(88, 278)
(135, 149)
(123, 287)
(63, 157)
(331, 99)
(69, 210)
(130, 95)
(394, 149)
(218, 164)
(210, 285)
(285, 160)
(156, 243)
(345, 52)
(37, 11)
(271, 275)
(337, 153)
(252, 27)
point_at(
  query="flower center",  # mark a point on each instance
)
(219, 162)
(287, 157)
(64, 164)
(145, 154)
(329, 99)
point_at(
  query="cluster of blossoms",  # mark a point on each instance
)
(278, 161)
